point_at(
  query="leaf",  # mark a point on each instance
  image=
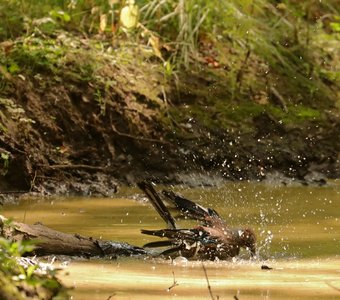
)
(154, 41)
(335, 26)
(129, 16)
(67, 17)
(26, 120)
(51, 284)
(103, 23)
(281, 6)
(95, 10)
(169, 68)
(60, 14)
(5, 156)
(15, 110)
(112, 2)
(30, 270)
(13, 68)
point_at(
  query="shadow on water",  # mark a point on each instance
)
(298, 233)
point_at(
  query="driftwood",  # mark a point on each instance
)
(52, 242)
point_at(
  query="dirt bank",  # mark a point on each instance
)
(80, 120)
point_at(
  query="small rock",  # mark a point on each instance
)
(265, 267)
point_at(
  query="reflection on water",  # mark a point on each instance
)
(297, 227)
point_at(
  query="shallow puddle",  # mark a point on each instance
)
(131, 279)
(298, 233)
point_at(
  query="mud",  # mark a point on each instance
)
(58, 137)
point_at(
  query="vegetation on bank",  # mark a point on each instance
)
(24, 278)
(251, 50)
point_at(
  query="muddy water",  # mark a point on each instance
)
(298, 230)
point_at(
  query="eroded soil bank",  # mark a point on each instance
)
(78, 119)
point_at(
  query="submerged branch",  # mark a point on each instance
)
(51, 242)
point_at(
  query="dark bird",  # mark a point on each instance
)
(211, 240)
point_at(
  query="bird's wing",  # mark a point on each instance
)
(177, 236)
(174, 234)
(192, 210)
(186, 242)
(157, 203)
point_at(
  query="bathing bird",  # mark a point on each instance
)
(212, 239)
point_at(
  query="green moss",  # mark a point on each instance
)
(218, 114)
(227, 115)
(34, 59)
(242, 112)
(296, 114)
(39, 55)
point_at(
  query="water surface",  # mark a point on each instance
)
(298, 233)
